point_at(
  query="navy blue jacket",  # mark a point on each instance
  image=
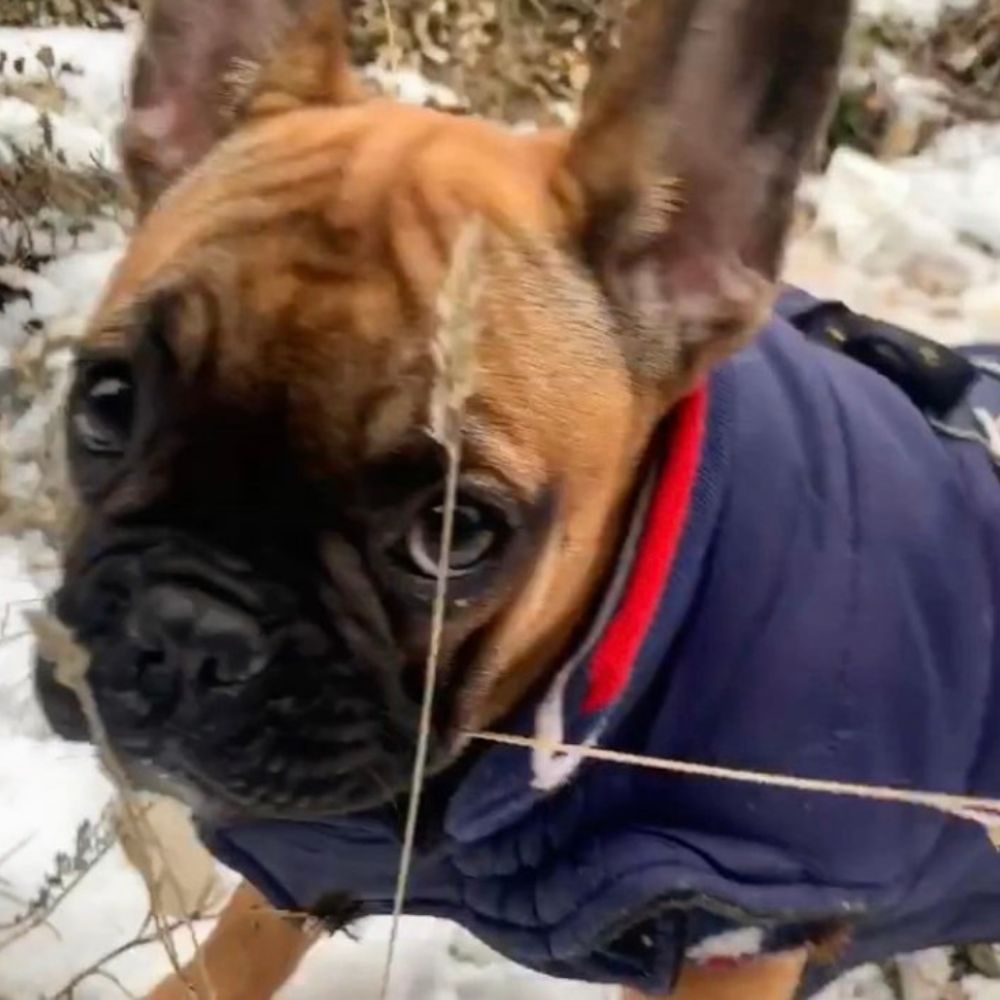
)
(810, 586)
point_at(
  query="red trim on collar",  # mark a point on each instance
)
(725, 962)
(612, 661)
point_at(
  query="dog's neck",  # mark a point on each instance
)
(578, 645)
(660, 472)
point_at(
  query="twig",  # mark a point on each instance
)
(11, 851)
(97, 968)
(111, 978)
(6, 893)
(72, 665)
(8, 608)
(423, 740)
(134, 816)
(454, 355)
(39, 914)
(144, 926)
(390, 35)
(985, 812)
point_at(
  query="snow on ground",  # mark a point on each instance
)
(920, 13)
(90, 69)
(906, 241)
(47, 788)
(916, 241)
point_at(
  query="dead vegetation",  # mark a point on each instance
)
(956, 66)
(521, 60)
(511, 59)
(964, 53)
(41, 13)
(38, 181)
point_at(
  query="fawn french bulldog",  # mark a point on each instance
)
(671, 535)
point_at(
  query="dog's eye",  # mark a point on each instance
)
(477, 533)
(102, 416)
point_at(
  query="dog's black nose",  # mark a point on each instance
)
(188, 637)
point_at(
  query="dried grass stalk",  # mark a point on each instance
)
(454, 346)
(454, 351)
(72, 665)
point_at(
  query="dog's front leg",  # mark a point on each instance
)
(775, 977)
(251, 953)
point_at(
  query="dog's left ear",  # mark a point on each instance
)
(688, 155)
(205, 66)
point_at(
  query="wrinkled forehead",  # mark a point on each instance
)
(375, 184)
(307, 257)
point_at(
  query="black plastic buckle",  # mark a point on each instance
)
(934, 377)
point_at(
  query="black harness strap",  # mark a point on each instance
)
(957, 390)
(935, 377)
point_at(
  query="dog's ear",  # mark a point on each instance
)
(688, 154)
(204, 66)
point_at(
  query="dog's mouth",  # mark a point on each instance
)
(230, 691)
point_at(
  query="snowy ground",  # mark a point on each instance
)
(917, 241)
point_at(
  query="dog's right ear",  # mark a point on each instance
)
(687, 158)
(205, 66)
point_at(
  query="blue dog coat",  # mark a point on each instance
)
(809, 586)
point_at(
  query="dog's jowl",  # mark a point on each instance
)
(683, 527)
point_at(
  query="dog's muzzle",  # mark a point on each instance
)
(210, 674)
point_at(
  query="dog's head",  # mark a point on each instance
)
(260, 499)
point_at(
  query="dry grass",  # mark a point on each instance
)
(510, 59)
(35, 13)
(37, 180)
(37, 185)
(965, 54)
(72, 665)
(529, 59)
(454, 355)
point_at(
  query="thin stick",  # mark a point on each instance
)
(423, 741)
(11, 851)
(72, 670)
(140, 941)
(454, 350)
(983, 811)
(144, 926)
(22, 927)
(135, 816)
(390, 37)
(9, 607)
(114, 980)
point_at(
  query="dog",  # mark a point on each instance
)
(682, 527)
